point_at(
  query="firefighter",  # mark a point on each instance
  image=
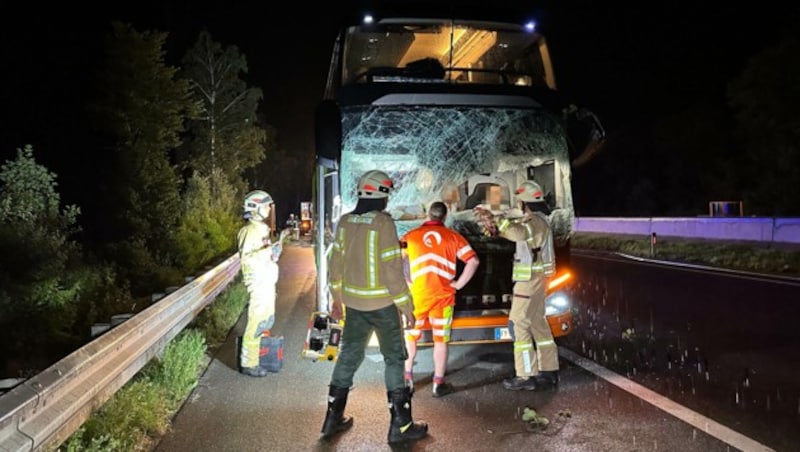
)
(535, 350)
(432, 251)
(368, 286)
(259, 267)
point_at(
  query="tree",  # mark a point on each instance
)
(287, 176)
(207, 227)
(766, 99)
(37, 297)
(697, 159)
(225, 134)
(143, 107)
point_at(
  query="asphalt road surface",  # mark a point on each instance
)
(593, 408)
(723, 343)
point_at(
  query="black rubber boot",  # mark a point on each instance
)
(547, 379)
(335, 420)
(403, 428)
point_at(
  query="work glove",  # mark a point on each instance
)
(277, 249)
(337, 311)
(407, 313)
(485, 219)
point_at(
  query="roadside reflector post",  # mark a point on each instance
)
(653, 240)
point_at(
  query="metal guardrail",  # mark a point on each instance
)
(45, 410)
(766, 230)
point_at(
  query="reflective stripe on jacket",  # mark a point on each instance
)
(255, 253)
(365, 266)
(534, 239)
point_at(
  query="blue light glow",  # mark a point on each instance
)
(530, 26)
(368, 19)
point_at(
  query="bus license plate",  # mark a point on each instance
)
(501, 334)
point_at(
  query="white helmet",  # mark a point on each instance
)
(374, 185)
(257, 205)
(530, 191)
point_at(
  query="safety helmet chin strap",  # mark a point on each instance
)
(259, 214)
(538, 207)
(263, 211)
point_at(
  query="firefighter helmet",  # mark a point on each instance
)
(374, 185)
(257, 205)
(530, 191)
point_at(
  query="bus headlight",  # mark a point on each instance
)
(557, 303)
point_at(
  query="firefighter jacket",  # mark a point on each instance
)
(365, 266)
(256, 254)
(432, 251)
(534, 239)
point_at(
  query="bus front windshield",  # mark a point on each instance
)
(432, 154)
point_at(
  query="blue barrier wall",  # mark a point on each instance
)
(768, 230)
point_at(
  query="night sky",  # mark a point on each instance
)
(630, 65)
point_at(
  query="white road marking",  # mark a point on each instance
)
(692, 418)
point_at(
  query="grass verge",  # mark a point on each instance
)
(744, 256)
(141, 411)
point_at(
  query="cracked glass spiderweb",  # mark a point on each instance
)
(426, 149)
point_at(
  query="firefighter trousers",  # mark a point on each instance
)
(260, 318)
(535, 349)
(358, 327)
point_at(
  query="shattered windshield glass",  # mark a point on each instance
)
(464, 156)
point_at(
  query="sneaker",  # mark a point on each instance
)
(441, 390)
(256, 371)
(517, 383)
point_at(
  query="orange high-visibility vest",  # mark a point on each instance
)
(432, 250)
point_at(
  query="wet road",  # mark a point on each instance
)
(593, 409)
(725, 344)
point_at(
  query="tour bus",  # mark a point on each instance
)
(460, 111)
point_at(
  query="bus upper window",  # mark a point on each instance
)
(470, 52)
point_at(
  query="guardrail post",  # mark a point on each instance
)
(653, 239)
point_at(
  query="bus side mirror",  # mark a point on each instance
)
(328, 130)
(586, 134)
